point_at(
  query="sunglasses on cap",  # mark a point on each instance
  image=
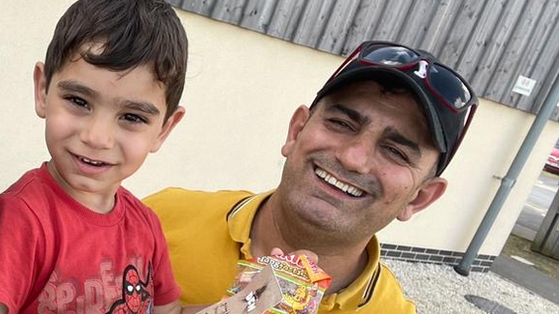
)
(447, 85)
(448, 99)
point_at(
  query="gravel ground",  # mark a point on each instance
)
(439, 289)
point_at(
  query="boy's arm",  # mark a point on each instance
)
(174, 308)
(22, 247)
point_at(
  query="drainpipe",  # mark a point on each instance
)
(507, 183)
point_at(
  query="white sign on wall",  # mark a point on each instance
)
(524, 85)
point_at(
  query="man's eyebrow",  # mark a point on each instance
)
(73, 86)
(351, 113)
(399, 138)
(390, 133)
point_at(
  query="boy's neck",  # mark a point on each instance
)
(102, 203)
(97, 203)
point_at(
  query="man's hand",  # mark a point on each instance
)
(310, 255)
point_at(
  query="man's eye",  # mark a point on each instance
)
(134, 118)
(397, 154)
(340, 124)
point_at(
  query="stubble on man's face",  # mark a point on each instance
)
(353, 167)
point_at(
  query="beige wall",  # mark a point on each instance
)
(241, 90)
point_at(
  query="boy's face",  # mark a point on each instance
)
(100, 126)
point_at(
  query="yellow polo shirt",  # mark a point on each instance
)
(207, 232)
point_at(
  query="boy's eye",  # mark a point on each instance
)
(77, 101)
(134, 118)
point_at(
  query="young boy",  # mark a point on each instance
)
(71, 238)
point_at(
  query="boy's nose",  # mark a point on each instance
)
(98, 133)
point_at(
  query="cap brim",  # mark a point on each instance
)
(379, 73)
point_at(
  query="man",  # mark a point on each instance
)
(369, 149)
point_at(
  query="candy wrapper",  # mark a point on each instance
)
(301, 281)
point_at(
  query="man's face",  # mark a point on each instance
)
(363, 158)
(100, 124)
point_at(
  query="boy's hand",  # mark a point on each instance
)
(259, 295)
(191, 309)
(175, 308)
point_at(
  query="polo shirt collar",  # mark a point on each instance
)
(240, 220)
(360, 292)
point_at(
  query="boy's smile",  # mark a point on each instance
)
(100, 126)
(90, 166)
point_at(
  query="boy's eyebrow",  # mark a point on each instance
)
(74, 86)
(145, 107)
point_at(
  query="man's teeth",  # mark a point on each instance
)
(91, 162)
(351, 190)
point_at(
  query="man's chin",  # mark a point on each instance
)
(317, 212)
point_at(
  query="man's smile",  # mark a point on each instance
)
(345, 187)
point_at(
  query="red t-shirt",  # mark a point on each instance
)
(56, 254)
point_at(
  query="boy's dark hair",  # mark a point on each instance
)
(130, 33)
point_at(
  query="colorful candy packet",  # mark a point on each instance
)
(302, 282)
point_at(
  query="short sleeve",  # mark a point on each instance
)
(22, 243)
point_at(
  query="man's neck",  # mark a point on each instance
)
(343, 264)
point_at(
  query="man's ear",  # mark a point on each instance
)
(40, 89)
(428, 193)
(298, 121)
(169, 125)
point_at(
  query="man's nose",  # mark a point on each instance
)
(98, 132)
(357, 155)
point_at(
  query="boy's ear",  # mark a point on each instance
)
(298, 121)
(169, 125)
(429, 192)
(40, 89)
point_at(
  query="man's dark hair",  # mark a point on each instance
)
(120, 35)
(388, 85)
